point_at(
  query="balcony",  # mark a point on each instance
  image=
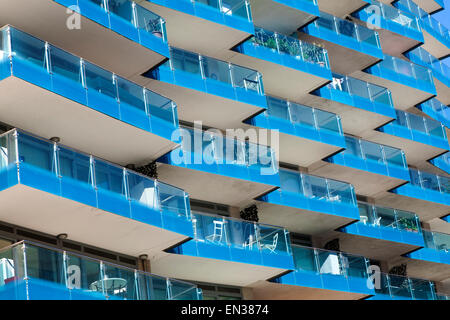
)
(319, 274)
(399, 31)
(409, 83)
(343, 7)
(434, 256)
(220, 169)
(442, 162)
(240, 252)
(436, 35)
(427, 194)
(208, 27)
(125, 210)
(436, 110)
(51, 90)
(132, 38)
(362, 106)
(421, 138)
(343, 38)
(291, 14)
(309, 204)
(371, 167)
(420, 7)
(219, 93)
(34, 272)
(382, 233)
(301, 128)
(394, 287)
(291, 68)
(440, 70)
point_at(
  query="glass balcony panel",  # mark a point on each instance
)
(404, 67)
(143, 190)
(7, 150)
(315, 187)
(422, 289)
(372, 151)
(272, 240)
(149, 22)
(367, 35)
(340, 192)
(212, 3)
(122, 8)
(402, 118)
(243, 235)
(182, 291)
(161, 107)
(65, 64)
(326, 21)
(384, 285)
(435, 128)
(37, 153)
(290, 181)
(352, 147)
(358, 88)
(131, 93)
(172, 199)
(422, 73)
(100, 80)
(304, 259)
(185, 61)
(416, 123)
(327, 121)
(385, 217)
(355, 266)
(302, 115)
(84, 274)
(346, 28)
(444, 183)
(212, 229)
(74, 165)
(415, 178)
(265, 38)
(441, 241)
(366, 213)
(330, 263)
(216, 70)
(28, 48)
(399, 286)
(246, 78)
(314, 54)
(429, 181)
(119, 283)
(109, 177)
(44, 264)
(407, 221)
(278, 108)
(289, 45)
(394, 156)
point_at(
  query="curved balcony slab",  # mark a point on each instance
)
(292, 14)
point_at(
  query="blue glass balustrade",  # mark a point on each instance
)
(313, 193)
(211, 152)
(372, 157)
(441, 71)
(421, 129)
(212, 76)
(35, 272)
(394, 287)
(387, 224)
(234, 13)
(126, 18)
(442, 162)
(330, 270)
(426, 186)
(287, 51)
(427, 22)
(392, 19)
(345, 33)
(436, 110)
(62, 171)
(236, 240)
(302, 121)
(58, 71)
(358, 94)
(436, 249)
(404, 72)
